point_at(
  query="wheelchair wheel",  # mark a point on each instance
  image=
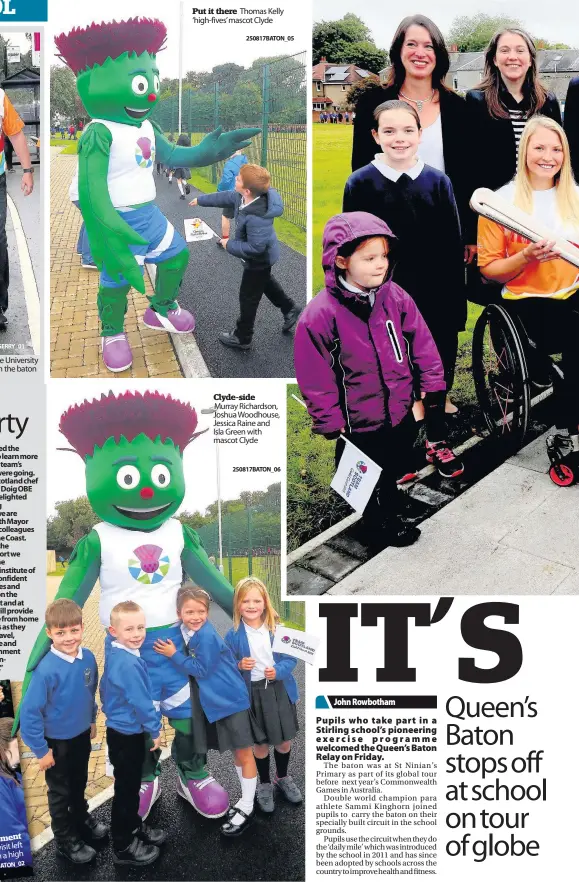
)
(562, 475)
(500, 374)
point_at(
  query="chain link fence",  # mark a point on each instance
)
(251, 540)
(270, 96)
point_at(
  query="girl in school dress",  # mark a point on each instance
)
(270, 684)
(221, 718)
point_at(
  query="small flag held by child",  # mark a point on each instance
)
(356, 477)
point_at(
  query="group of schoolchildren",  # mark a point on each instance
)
(243, 696)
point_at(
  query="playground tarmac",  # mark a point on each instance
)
(512, 533)
(210, 290)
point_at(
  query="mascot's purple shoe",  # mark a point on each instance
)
(206, 796)
(148, 795)
(116, 352)
(177, 321)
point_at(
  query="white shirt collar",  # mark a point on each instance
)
(187, 634)
(354, 289)
(393, 174)
(118, 645)
(245, 204)
(261, 630)
(67, 658)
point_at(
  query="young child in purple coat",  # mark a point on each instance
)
(361, 350)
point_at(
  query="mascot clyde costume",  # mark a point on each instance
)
(118, 83)
(132, 445)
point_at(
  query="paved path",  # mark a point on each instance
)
(24, 232)
(273, 849)
(514, 532)
(74, 332)
(210, 290)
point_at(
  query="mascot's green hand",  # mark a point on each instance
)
(111, 251)
(219, 145)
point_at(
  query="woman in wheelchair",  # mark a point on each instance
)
(539, 287)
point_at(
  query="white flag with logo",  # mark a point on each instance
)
(356, 477)
(196, 230)
(296, 643)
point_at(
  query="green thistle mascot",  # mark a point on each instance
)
(132, 445)
(118, 82)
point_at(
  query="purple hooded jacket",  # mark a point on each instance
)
(353, 365)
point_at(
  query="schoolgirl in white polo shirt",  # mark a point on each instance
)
(271, 685)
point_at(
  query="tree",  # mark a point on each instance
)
(346, 41)
(366, 56)
(75, 518)
(545, 44)
(356, 89)
(473, 33)
(62, 94)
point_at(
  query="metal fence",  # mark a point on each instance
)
(251, 547)
(269, 96)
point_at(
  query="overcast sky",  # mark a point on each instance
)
(556, 22)
(204, 46)
(66, 470)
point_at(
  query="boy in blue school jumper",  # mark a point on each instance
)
(255, 205)
(127, 701)
(227, 182)
(57, 722)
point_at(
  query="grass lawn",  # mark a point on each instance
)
(69, 146)
(332, 150)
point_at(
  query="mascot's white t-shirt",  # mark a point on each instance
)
(141, 566)
(131, 163)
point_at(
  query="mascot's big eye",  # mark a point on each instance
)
(156, 83)
(161, 476)
(128, 477)
(140, 85)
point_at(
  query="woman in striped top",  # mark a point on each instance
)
(509, 94)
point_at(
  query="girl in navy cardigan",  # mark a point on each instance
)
(221, 718)
(270, 684)
(417, 203)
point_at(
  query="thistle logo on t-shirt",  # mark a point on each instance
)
(145, 153)
(149, 566)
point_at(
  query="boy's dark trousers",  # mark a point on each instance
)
(126, 753)
(66, 783)
(391, 449)
(254, 284)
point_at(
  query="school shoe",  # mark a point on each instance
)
(149, 793)
(177, 321)
(232, 340)
(116, 352)
(443, 458)
(182, 196)
(230, 829)
(75, 850)
(3, 321)
(93, 829)
(289, 789)
(151, 835)
(264, 797)
(137, 854)
(290, 318)
(206, 796)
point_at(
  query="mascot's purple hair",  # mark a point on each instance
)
(82, 48)
(88, 425)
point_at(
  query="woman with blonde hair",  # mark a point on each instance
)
(539, 285)
(271, 685)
